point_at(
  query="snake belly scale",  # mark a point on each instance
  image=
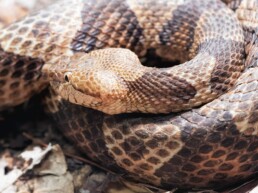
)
(200, 148)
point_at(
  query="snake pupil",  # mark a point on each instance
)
(66, 78)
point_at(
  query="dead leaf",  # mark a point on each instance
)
(24, 162)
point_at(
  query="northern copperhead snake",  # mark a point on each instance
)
(200, 148)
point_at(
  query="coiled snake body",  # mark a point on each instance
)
(200, 148)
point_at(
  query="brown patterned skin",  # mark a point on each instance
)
(19, 9)
(113, 80)
(192, 31)
(215, 145)
(210, 147)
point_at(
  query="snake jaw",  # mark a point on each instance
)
(69, 92)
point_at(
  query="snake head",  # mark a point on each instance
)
(92, 80)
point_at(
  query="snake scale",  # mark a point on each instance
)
(215, 144)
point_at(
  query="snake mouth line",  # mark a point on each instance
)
(70, 93)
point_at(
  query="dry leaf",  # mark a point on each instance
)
(26, 161)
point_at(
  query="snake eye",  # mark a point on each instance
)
(66, 78)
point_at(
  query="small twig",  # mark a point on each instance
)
(155, 188)
(88, 162)
(34, 140)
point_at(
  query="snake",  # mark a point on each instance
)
(88, 52)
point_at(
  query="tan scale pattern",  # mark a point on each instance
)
(209, 146)
(247, 13)
(31, 42)
(216, 143)
(17, 75)
(152, 21)
(210, 71)
(198, 149)
(205, 147)
(144, 159)
(108, 24)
